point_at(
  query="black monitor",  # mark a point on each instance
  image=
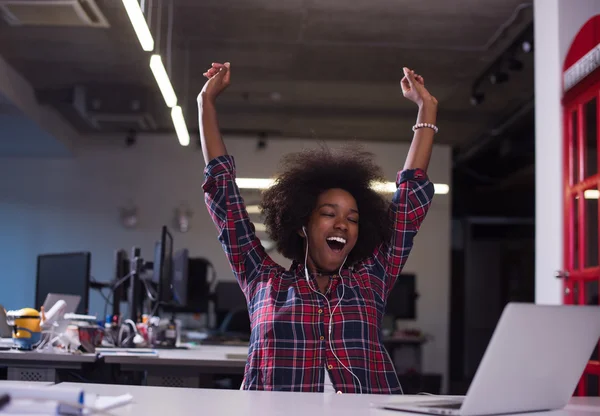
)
(191, 284)
(120, 291)
(402, 301)
(201, 275)
(65, 273)
(231, 308)
(180, 276)
(163, 267)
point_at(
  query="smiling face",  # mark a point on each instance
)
(332, 230)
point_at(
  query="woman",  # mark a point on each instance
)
(317, 326)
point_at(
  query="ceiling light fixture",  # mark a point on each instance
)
(253, 209)
(163, 81)
(389, 187)
(180, 128)
(140, 26)
(527, 46)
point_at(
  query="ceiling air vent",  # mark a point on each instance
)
(106, 111)
(53, 13)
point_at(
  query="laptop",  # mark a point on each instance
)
(533, 362)
(72, 301)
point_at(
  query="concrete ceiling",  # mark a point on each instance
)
(300, 68)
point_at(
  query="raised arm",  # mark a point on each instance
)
(413, 88)
(225, 204)
(414, 192)
(219, 76)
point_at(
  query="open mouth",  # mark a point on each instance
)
(336, 244)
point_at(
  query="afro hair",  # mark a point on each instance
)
(288, 204)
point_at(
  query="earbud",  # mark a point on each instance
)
(304, 230)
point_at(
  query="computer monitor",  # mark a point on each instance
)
(121, 270)
(163, 267)
(201, 275)
(230, 300)
(401, 303)
(180, 276)
(191, 284)
(67, 273)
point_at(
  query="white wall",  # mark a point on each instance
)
(556, 24)
(73, 204)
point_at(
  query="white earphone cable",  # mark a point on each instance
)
(329, 306)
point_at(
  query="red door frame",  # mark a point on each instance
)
(574, 101)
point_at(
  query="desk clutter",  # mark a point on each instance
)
(154, 293)
(141, 337)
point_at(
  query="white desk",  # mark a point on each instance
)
(199, 357)
(25, 383)
(192, 367)
(181, 401)
(36, 357)
(171, 367)
(39, 366)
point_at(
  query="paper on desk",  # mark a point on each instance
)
(34, 400)
(107, 402)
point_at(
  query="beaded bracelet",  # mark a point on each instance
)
(422, 125)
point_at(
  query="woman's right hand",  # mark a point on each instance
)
(219, 76)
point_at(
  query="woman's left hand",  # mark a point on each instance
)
(413, 88)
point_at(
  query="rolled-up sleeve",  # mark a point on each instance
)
(408, 209)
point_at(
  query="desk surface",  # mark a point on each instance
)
(25, 383)
(204, 355)
(182, 401)
(16, 355)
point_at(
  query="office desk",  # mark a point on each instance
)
(177, 401)
(193, 367)
(39, 366)
(25, 383)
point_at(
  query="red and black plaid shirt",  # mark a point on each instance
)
(289, 343)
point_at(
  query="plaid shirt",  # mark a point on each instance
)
(289, 343)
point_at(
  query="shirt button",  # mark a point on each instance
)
(322, 338)
(320, 310)
(330, 366)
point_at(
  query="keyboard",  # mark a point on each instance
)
(446, 405)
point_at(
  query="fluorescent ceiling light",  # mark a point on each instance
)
(163, 81)
(441, 188)
(252, 209)
(389, 187)
(180, 128)
(254, 183)
(259, 227)
(138, 21)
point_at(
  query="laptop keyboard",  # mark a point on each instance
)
(448, 405)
